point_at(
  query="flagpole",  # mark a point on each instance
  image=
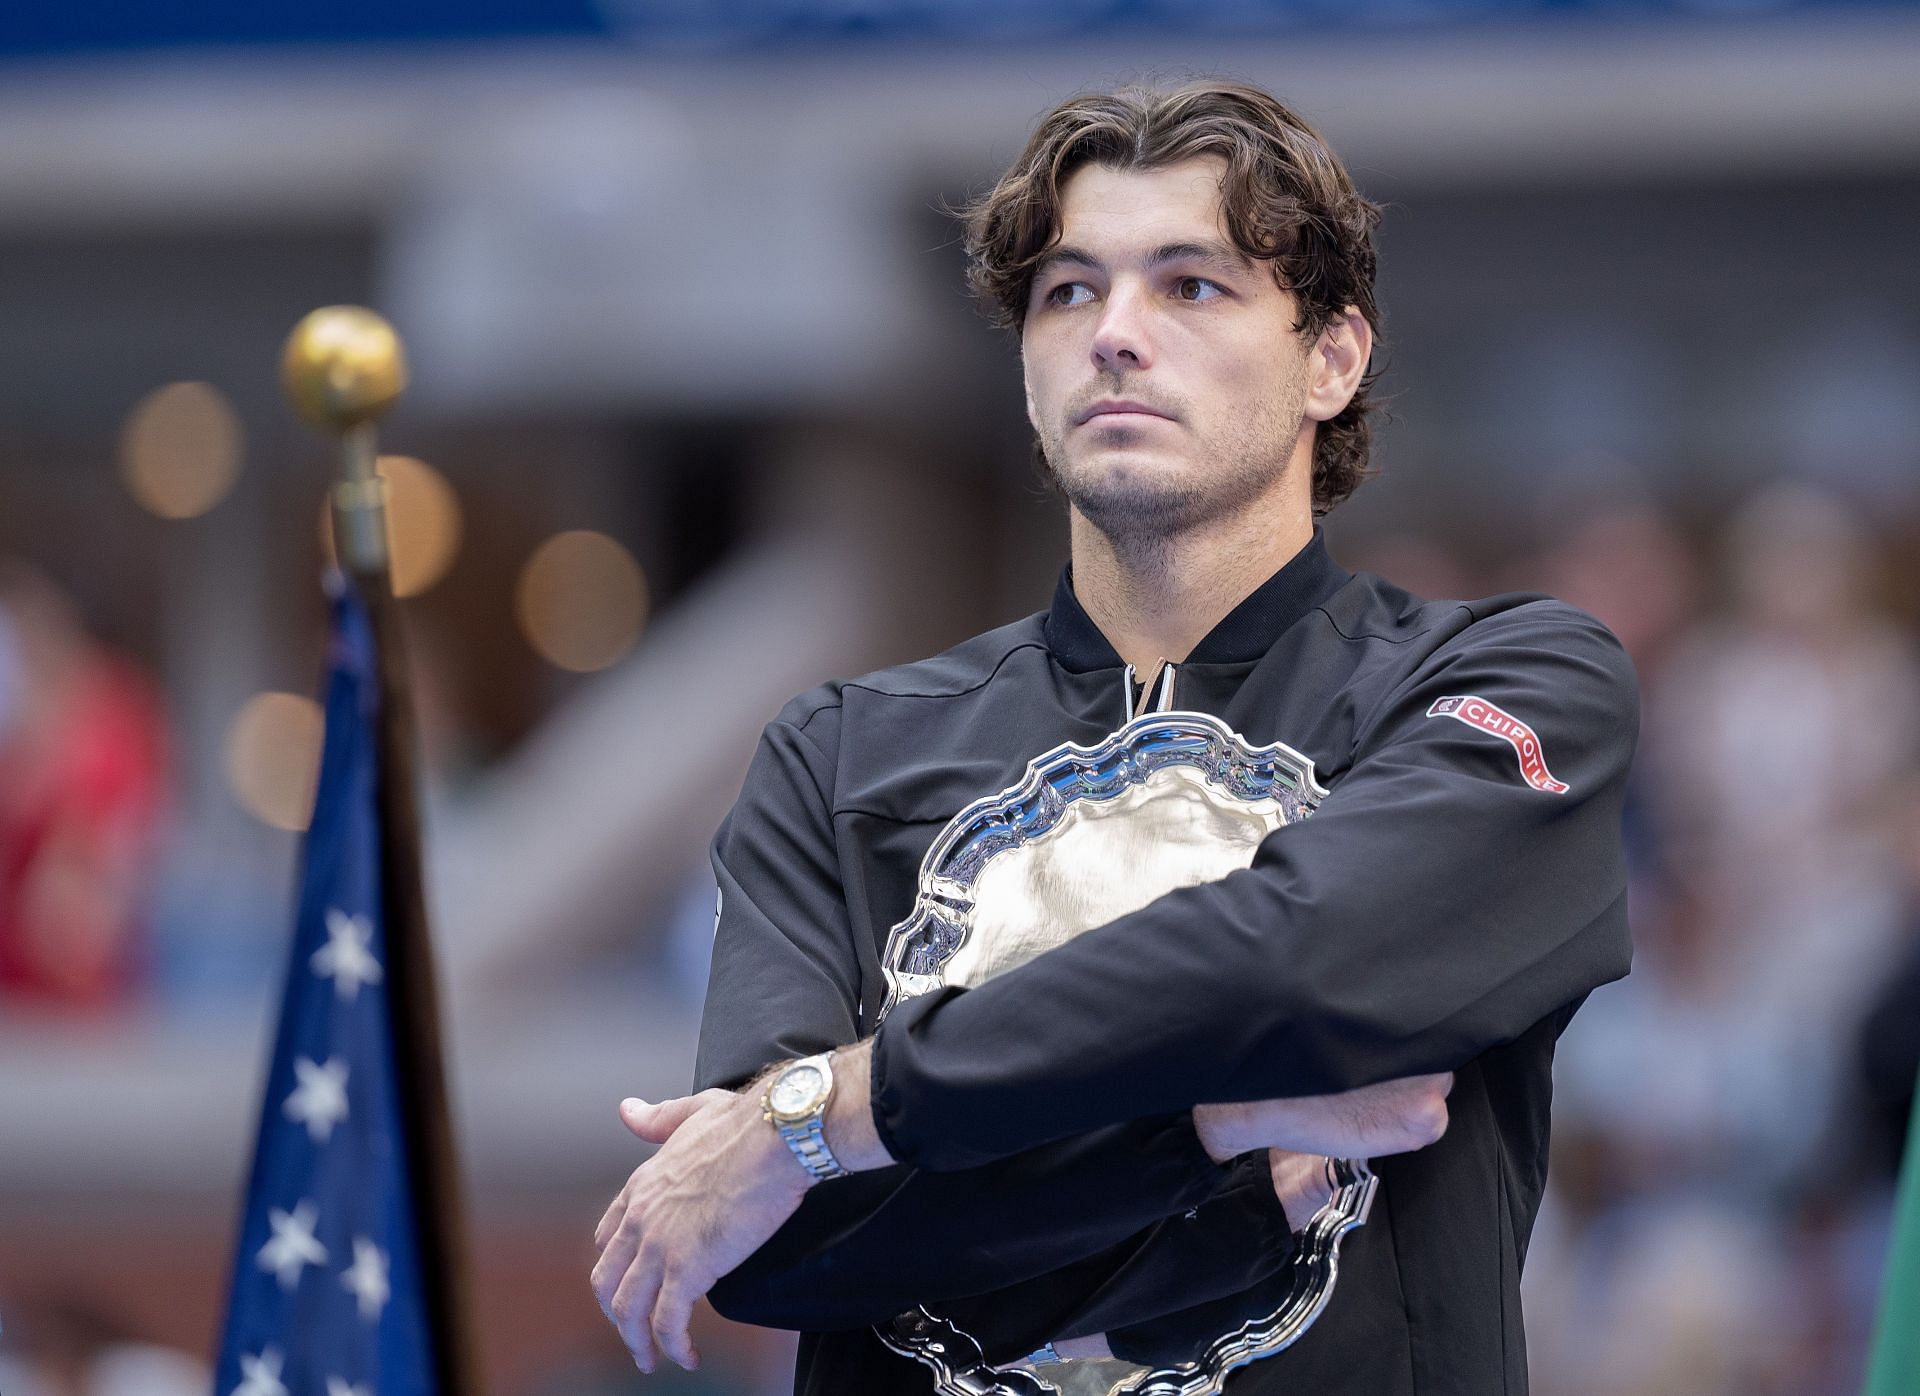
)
(342, 369)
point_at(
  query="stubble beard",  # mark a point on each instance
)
(1143, 513)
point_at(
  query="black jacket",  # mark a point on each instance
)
(1449, 905)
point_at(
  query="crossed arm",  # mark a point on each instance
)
(723, 1184)
(1389, 1118)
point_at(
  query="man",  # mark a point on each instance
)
(1101, 1146)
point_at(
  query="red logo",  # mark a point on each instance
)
(1489, 717)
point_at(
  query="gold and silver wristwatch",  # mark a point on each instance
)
(795, 1104)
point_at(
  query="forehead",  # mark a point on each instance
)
(1102, 208)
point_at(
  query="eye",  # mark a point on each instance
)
(1069, 293)
(1196, 288)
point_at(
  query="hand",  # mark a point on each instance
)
(1392, 1117)
(1300, 1182)
(722, 1183)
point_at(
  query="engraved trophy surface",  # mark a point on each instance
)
(1090, 833)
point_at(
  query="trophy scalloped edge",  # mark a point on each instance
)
(1315, 1265)
(942, 897)
(959, 1367)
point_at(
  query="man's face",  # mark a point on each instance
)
(1165, 378)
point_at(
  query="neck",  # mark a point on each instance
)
(1156, 599)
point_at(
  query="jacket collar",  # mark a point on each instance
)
(1247, 632)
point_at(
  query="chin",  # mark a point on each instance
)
(1131, 467)
(1139, 472)
(1138, 494)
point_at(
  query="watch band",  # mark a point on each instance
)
(809, 1144)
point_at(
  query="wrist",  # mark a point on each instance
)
(848, 1125)
(840, 1137)
(775, 1163)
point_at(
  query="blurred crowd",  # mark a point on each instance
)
(83, 787)
(1728, 1120)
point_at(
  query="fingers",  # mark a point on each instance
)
(651, 1307)
(616, 1257)
(1300, 1182)
(672, 1320)
(632, 1307)
(649, 1299)
(624, 1280)
(610, 1218)
(645, 1295)
(656, 1123)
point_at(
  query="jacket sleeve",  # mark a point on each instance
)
(1148, 1293)
(785, 983)
(1462, 880)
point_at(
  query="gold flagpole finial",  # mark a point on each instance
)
(342, 369)
(342, 366)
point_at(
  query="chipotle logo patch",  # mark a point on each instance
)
(1491, 717)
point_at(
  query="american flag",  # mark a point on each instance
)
(327, 1295)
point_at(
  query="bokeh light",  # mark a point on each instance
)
(423, 524)
(581, 600)
(273, 758)
(180, 450)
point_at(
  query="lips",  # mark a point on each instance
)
(1119, 407)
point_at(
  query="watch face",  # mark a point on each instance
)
(796, 1090)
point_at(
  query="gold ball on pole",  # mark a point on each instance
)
(341, 369)
(342, 366)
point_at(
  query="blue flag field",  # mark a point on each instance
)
(327, 1296)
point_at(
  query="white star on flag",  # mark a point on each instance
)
(292, 1244)
(336, 1387)
(345, 958)
(366, 1278)
(260, 1376)
(320, 1100)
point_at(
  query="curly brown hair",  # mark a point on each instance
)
(1285, 195)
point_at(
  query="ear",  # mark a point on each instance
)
(1336, 364)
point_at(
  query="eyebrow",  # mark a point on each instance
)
(1218, 255)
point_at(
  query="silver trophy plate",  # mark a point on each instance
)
(1088, 834)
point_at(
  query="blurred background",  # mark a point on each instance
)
(702, 415)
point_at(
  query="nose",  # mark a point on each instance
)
(1120, 338)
